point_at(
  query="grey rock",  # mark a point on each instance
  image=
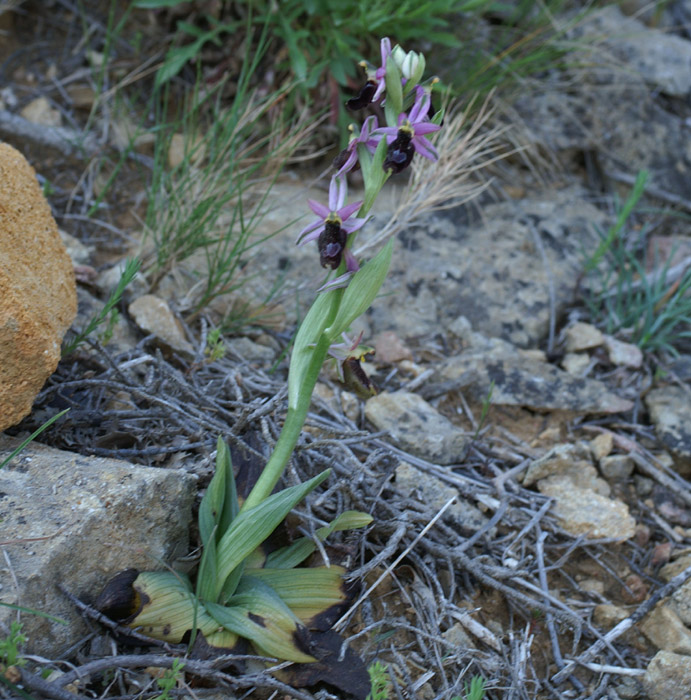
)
(616, 467)
(153, 315)
(415, 426)
(432, 491)
(77, 521)
(668, 677)
(627, 127)
(584, 512)
(489, 271)
(666, 631)
(583, 336)
(680, 602)
(670, 412)
(568, 460)
(248, 350)
(660, 58)
(521, 381)
(623, 354)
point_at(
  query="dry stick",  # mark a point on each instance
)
(624, 625)
(344, 618)
(47, 690)
(617, 670)
(550, 284)
(203, 669)
(542, 574)
(64, 140)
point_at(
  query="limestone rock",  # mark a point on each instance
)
(153, 315)
(666, 631)
(617, 467)
(489, 270)
(520, 381)
(41, 111)
(77, 521)
(680, 602)
(583, 336)
(584, 512)
(571, 462)
(623, 354)
(668, 677)
(575, 363)
(38, 300)
(660, 58)
(416, 426)
(670, 411)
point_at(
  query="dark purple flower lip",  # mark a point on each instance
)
(356, 380)
(400, 152)
(363, 98)
(331, 244)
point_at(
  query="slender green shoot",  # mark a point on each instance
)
(38, 613)
(31, 437)
(131, 268)
(622, 218)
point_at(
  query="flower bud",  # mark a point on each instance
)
(410, 63)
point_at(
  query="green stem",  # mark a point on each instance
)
(295, 419)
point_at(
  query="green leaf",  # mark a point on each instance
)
(253, 526)
(606, 244)
(207, 574)
(307, 337)
(307, 592)
(298, 551)
(394, 93)
(176, 58)
(257, 613)
(361, 291)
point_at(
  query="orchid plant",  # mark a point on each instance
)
(241, 592)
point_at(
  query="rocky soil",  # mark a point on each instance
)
(527, 466)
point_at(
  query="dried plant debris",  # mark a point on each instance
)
(508, 595)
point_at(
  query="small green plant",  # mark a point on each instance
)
(9, 646)
(104, 315)
(215, 346)
(475, 690)
(379, 678)
(170, 679)
(650, 309)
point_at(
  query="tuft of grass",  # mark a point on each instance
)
(208, 207)
(649, 309)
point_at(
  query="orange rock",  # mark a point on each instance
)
(38, 296)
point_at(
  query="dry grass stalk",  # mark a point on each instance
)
(465, 150)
